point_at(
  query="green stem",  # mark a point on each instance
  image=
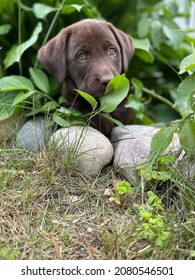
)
(20, 33)
(53, 21)
(159, 97)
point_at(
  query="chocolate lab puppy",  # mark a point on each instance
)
(86, 56)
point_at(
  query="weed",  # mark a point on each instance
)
(160, 169)
(153, 226)
(122, 190)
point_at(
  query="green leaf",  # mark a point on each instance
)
(187, 137)
(156, 34)
(22, 96)
(142, 49)
(6, 102)
(116, 90)
(172, 32)
(188, 63)
(40, 79)
(70, 112)
(65, 121)
(138, 87)
(162, 139)
(132, 102)
(144, 27)
(185, 90)
(59, 120)
(192, 101)
(49, 106)
(162, 238)
(41, 10)
(123, 187)
(69, 9)
(151, 197)
(11, 83)
(90, 99)
(115, 121)
(16, 52)
(4, 29)
(165, 235)
(145, 214)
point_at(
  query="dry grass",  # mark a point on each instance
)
(48, 210)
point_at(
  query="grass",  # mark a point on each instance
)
(49, 210)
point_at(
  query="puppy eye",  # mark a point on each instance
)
(112, 51)
(82, 56)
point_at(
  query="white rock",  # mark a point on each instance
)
(89, 148)
(132, 147)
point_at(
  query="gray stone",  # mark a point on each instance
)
(132, 147)
(34, 134)
(88, 148)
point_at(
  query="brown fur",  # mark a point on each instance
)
(86, 56)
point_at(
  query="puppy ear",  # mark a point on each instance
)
(53, 55)
(126, 45)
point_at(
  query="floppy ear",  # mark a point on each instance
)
(53, 55)
(126, 45)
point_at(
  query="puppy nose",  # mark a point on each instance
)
(105, 79)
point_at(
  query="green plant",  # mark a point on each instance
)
(122, 190)
(150, 20)
(8, 254)
(37, 91)
(159, 168)
(153, 226)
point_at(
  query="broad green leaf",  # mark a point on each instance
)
(11, 83)
(162, 139)
(185, 89)
(170, 8)
(187, 137)
(192, 101)
(22, 96)
(173, 32)
(41, 10)
(91, 12)
(142, 49)
(60, 121)
(116, 90)
(6, 102)
(51, 105)
(40, 79)
(69, 9)
(188, 63)
(90, 99)
(134, 103)
(68, 117)
(34, 109)
(156, 34)
(16, 52)
(4, 29)
(61, 99)
(144, 27)
(69, 111)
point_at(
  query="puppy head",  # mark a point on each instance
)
(90, 53)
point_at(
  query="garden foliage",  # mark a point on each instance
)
(161, 74)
